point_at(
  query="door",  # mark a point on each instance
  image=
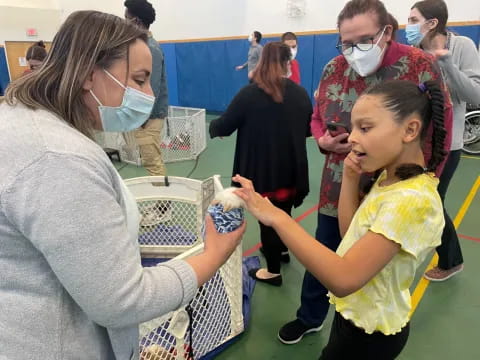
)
(16, 51)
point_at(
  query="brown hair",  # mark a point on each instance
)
(36, 52)
(288, 36)
(271, 69)
(85, 40)
(358, 7)
(392, 21)
(434, 9)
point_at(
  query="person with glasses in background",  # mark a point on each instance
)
(458, 59)
(368, 56)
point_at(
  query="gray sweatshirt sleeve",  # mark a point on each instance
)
(69, 209)
(463, 78)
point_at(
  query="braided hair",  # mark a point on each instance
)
(403, 99)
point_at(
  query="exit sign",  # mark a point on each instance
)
(32, 32)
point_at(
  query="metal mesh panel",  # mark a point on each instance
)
(175, 230)
(183, 137)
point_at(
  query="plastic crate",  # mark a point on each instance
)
(216, 310)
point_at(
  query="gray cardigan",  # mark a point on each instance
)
(71, 283)
(461, 70)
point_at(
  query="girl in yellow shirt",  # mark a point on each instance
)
(388, 234)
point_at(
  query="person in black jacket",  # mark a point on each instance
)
(272, 117)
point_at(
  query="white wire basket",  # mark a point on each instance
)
(214, 316)
(183, 137)
(184, 134)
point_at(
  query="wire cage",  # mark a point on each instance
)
(183, 137)
(184, 134)
(214, 316)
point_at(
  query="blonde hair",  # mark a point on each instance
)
(85, 40)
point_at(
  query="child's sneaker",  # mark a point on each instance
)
(437, 274)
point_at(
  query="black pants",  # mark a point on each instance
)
(449, 251)
(350, 342)
(314, 302)
(271, 242)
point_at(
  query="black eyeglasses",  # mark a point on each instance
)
(365, 45)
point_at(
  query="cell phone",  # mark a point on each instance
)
(336, 129)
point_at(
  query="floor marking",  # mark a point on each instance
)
(297, 219)
(423, 283)
(470, 157)
(469, 237)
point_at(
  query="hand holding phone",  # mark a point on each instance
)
(336, 139)
(336, 129)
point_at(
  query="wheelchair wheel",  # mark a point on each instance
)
(471, 135)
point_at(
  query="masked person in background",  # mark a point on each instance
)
(254, 53)
(458, 59)
(290, 39)
(35, 56)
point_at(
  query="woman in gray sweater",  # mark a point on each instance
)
(71, 282)
(459, 61)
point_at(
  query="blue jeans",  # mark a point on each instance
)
(314, 301)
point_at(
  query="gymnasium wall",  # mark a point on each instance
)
(200, 65)
(205, 74)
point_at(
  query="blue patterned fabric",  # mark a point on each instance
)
(228, 221)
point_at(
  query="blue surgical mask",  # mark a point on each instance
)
(130, 115)
(413, 34)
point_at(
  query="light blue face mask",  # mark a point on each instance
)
(413, 34)
(130, 115)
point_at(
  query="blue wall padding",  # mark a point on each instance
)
(324, 51)
(4, 77)
(206, 72)
(207, 78)
(171, 68)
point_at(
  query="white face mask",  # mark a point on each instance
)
(250, 37)
(366, 63)
(294, 52)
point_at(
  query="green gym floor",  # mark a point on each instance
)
(444, 326)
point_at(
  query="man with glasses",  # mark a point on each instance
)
(368, 55)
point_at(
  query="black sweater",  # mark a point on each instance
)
(271, 140)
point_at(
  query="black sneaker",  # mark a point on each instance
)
(285, 257)
(292, 332)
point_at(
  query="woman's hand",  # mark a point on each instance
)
(334, 143)
(351, 167)
(258, 206)
(217, 250)
(221, 246)
(438, 53)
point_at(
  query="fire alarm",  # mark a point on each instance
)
(32, 32)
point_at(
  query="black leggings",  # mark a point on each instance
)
(449, 252)
(350, 342)
(271, 242)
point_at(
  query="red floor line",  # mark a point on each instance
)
(298, 219)
(469, 237)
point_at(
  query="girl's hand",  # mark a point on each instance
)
(351, 167)
(258, 206)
